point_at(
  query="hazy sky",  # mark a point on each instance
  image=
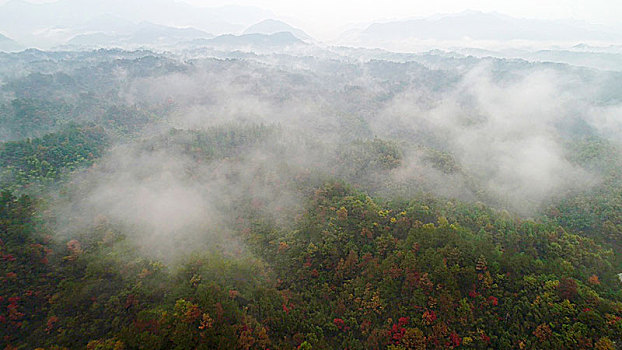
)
(338, 12)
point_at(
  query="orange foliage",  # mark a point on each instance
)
(594, 280)
(543, 332)
(74, 247)
(206, 322)
(233, 293)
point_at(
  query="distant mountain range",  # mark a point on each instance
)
(143, 34)
(168, 37)
(265, 34)
(7, 44)
(84, 24)
(271, 26)
(80, 24)
(49, 24)
(476, 25)
(250, 41)
(603, 58)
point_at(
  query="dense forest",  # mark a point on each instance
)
(429, 201)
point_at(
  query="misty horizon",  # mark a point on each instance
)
(70, 20)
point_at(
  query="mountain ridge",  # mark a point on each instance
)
(8, 44)
(272, 26)
(479, 25)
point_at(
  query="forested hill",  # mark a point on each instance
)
(280, 202)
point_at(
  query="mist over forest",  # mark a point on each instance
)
(216, 178)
